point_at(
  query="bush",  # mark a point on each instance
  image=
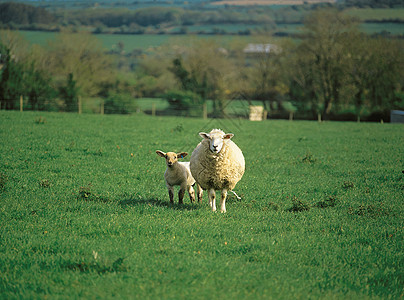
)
(185, 103)
(119, 104)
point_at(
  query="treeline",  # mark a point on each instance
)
(23, 14)
(52, 78)
(373, 3)
(335, 72)
(156, 19)
(143, 19)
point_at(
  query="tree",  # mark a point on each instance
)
(336, 66)
(263, 76)
(11, 81)
(38, 88)
(323, 52)
(302, 84)
(20, 13)
(69, 93)
(186, 102)
(82, 56)
(187, 80)
(21, 74)
(18, 46)
(205, 69)
(385, 72)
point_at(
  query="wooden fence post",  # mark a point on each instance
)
(319, 118)
(205, 111)
(291, 116)
(79, 104)
(102, 107)
(21, 103)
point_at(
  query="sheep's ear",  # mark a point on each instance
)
(228, 136)
(161, 153)
(182, 154)
(204, 135)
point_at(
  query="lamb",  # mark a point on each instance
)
(178, 173)
(217, 163)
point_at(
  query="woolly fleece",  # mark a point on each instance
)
(217, 171)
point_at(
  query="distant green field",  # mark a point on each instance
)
(109, 41)
(84, 211)
(377, 13)
(228, 28)
(393, 28)
(132, 42)
(149, 41)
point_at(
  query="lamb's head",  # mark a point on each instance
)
(171, 157)
(217, 138)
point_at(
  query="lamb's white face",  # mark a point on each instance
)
(216, 139)
(171, 157)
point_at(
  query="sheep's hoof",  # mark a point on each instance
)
(223, 211)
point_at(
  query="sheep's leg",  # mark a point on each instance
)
(212, 199)
(171, 194)
(181, 194)
(223, 201)
(199, 192)
(191, 193)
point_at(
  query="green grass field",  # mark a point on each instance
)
(148, 41)
(378, 14)
(84, 211)
(131, 42)
(109, 41)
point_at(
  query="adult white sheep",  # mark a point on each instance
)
(217, 163)
(178, 173)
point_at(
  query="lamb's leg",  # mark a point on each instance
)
(181, 194)
(171, 194)
(223, 201)
(212, 199)
(191, 193)
(200, 192)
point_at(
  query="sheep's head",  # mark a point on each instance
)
(171, 157)
(217, 139)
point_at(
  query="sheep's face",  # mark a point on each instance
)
(217, 139)
(171, 157)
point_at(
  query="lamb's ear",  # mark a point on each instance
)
(161, 153)
(204, 135)
(182, 154)
(228, 136)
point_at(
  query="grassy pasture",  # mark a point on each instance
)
(377, 14)
(109, 41)
(148, 41)
(393, 28)
(84, 211)
(228, 28)
(137, 41)
(268, 2)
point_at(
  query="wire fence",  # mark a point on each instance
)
(235, 108)
(232, 108)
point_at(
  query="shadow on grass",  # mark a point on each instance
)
(87, 267)
(125, 200)
(138, 201)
